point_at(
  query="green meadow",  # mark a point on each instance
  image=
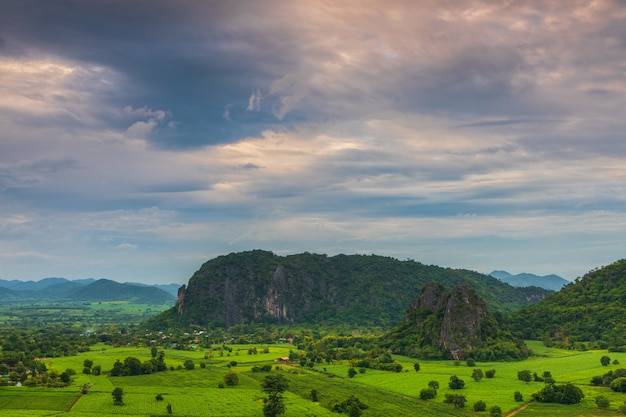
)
(197, 392)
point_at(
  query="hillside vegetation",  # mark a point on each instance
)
(591, 309)
(261, 287)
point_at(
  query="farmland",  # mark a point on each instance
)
(197, 392)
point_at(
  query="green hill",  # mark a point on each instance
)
(107, 290)
(261, 287)
(591, 309)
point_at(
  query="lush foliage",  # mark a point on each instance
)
(311, 288)
(562, 394)
(581, 315)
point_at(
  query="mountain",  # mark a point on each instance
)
(549, 282)
(453, 324)
(168, 288)
(259, 286)
(63, 290)
(590, 309)
(17, 285)
(107, 290)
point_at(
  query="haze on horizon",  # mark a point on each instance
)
(140, 139)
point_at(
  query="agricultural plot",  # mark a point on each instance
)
(197, 392)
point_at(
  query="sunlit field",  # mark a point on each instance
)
(200, 391)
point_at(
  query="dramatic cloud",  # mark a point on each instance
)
(142, 138)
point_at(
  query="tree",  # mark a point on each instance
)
(525, 375)
(352, 372)
(617, 385)
(605, 360)
(456, 382)
(96, 370)
(477, 374)
(274, 386)
(495, 411)
(314, 395)
(434, 385)
(603, 402)
(88, 363)
(118, 396)
(188, 364)
(470, 362)
(480, 405)
(490, 373)
(416, 366)
(518, 396)
(456, 399)
(231, 379)
(428, 393)
(65, 377)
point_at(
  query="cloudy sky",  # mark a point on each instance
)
(141, 138)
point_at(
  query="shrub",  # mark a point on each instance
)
(471, 362)
(352, 372)
(495, 411)
(416, 366)
(480, 405)
(477, 374)
(490, 373)
(605, 360)
(619, 384)
(433, 384)
(231, 379)
(518, 396)
(602, 402)
(456, 382)
(525, 375)
(562, 394)
(456, 399)
(428, 394)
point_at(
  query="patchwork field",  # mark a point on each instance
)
(197, 392)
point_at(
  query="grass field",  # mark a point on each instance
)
(196, 392)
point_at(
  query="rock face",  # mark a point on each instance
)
(453, 320)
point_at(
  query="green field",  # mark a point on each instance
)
(196, 392)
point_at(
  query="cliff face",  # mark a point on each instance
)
(455, 321)
(259, 286)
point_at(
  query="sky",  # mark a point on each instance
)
(141, 138)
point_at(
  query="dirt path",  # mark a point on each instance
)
(517, 410)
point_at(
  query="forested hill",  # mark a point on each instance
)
(591, 309)
(259, 286)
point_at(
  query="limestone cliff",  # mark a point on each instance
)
(261, 287)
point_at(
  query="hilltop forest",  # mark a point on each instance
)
(261, 287)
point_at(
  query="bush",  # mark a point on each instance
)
(562, 394)
(352, 372)
(416, 366)
(434, 385)
(456, 383)
(428, 394)
(495, 411)
(603, 402)
(456, 399)
(618, 384)
(471, 362)
(231, 379)
(605, 360)
(518, 397)
(525, 375)
(480, 405)
(477, 374)
(490, 373)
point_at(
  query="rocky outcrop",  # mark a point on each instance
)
(452, 320)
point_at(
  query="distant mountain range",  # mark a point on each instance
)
(90, 289)
(549, 282)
